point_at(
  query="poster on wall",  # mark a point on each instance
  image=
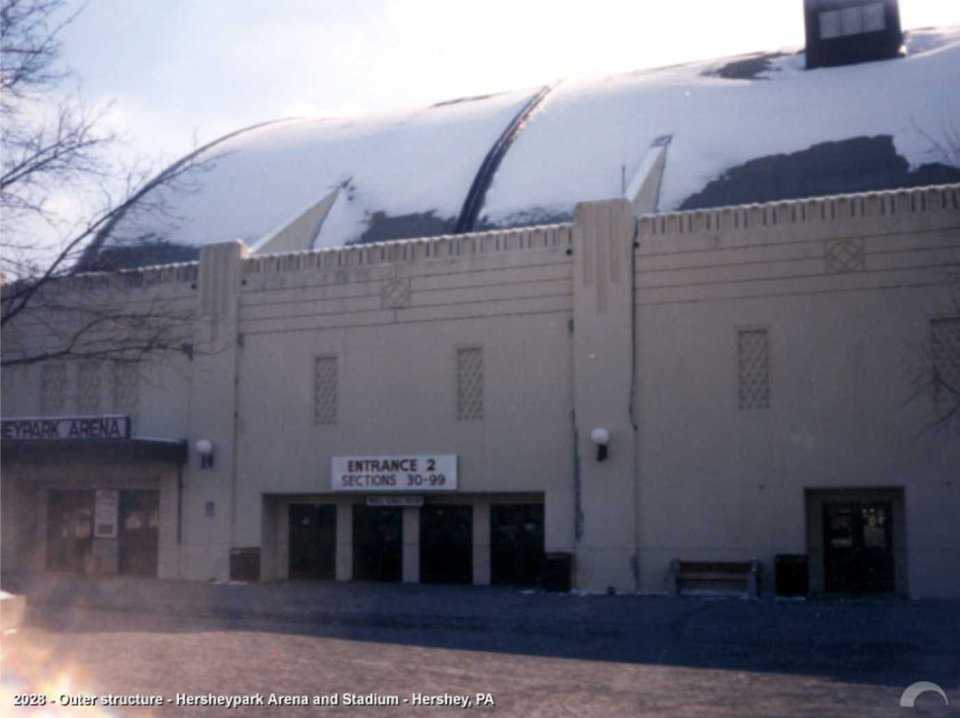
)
(106, 509)
(418, 473)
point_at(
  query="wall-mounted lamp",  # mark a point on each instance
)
(204, 447)
(600, 437)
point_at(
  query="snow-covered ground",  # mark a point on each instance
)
(579, 144)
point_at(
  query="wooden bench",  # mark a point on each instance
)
(742, 576)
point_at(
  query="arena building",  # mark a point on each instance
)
(666, 325)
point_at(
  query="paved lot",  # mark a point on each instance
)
(537, 654)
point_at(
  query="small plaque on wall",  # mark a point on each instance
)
(395, 501)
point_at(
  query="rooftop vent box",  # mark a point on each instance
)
(841, 32)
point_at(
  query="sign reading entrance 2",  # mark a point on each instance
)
(413, 472)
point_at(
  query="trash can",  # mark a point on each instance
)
(792, 574)
(557, 572)
(245, 564)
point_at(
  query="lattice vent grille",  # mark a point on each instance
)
(469, 383)
(945, 351)
(844, 256)
(753, 354)
(53, 387)
(126, 388)
(88, 387)
(325, 390)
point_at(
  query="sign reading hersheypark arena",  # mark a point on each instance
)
(67, 427)
(414, 472)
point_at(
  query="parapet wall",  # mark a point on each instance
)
(818, 211)
(772, 216)
(478, 244)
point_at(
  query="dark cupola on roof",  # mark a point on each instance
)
(842, 32)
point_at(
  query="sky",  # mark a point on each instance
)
(182, 72)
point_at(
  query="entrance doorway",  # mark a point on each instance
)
(858, 547)
(446, 543)
(377, 543)
(139, 534)
(313, 541)
(69, 530)
(516, 543)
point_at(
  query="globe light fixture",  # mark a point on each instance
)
(204, 448)
(600, 437)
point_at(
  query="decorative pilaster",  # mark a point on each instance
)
(603, 365)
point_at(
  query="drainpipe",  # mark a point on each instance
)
(632, 410)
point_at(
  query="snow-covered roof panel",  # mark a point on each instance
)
(586, 137)
(751, 128)
(411, 163)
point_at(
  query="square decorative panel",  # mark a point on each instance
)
(469, 383)
(395, 293)
(53, 388)
(844, 256)
(325, 390)
(945, 353)
(753, 363)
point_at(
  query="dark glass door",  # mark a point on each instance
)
(139, 534)
(446, 544)
(516, 543)
(69, 530)
(858, 547)
(377, 543)
(313, 541)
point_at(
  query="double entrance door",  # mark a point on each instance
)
(70, 531)
(377, 543)
(516, 544)
(858, 547)
(446, 543)
(313, 541)
(138, 533)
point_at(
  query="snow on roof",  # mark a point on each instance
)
(407, 174)
(414, 162)
(588, 135)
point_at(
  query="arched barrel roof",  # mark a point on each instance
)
(745, 129)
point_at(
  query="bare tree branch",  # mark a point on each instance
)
(51, 145)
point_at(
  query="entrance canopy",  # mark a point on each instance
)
(102, 439)
(36, 451)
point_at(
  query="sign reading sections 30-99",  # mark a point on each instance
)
(413, 472)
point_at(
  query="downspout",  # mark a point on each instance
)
(632, 410)
(180, 517)
(235, 449)
(179, 505)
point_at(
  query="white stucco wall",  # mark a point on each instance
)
(608, 321)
